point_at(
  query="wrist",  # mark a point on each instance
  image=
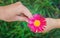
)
(51, 22)
(57, 23)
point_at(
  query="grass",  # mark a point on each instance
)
(47, 8)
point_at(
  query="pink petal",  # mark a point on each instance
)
(31, 23)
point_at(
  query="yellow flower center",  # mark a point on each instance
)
(37, 23)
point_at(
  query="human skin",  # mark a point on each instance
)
(14, 12)
(51, 23)
(18, 12)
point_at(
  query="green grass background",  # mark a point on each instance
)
(47, 8)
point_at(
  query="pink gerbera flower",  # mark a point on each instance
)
(37, 23)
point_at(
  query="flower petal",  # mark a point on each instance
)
(33, 27)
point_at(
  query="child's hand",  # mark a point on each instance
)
(15, 12)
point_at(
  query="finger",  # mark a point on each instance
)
(27, 13)
(21, 18)
(24, 10)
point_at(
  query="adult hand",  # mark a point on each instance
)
(15, 12)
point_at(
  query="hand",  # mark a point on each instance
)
(50, 24)
(15, 12)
